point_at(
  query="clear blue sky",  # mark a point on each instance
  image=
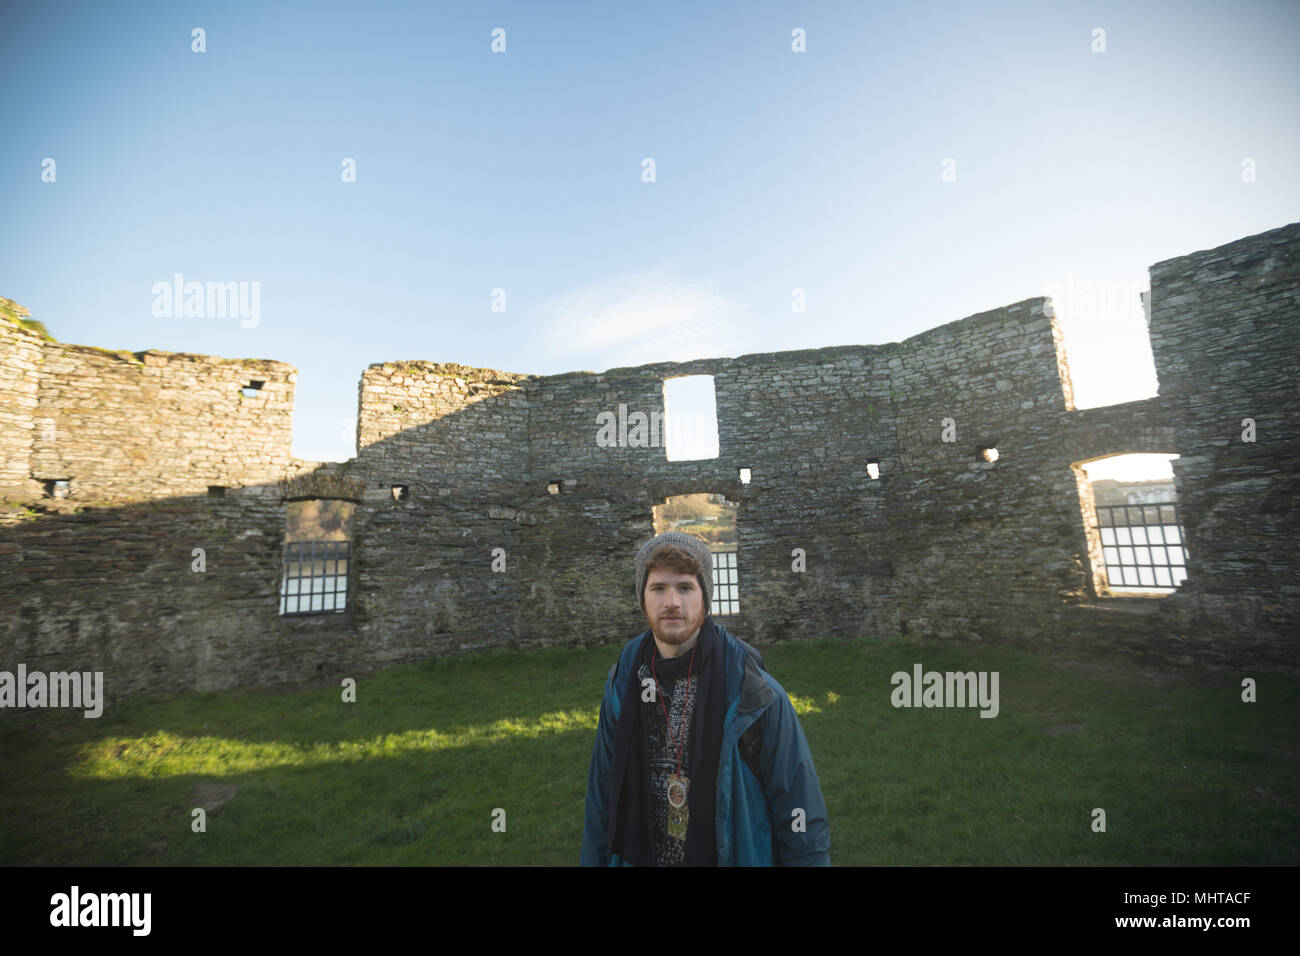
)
(522, 171)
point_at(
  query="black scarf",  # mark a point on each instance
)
(630, 833)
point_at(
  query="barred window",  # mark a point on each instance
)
(1142, 545)
(711, 518)
(317, 557)
(1136, 542)
(726, 587)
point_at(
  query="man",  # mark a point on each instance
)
(699, 757)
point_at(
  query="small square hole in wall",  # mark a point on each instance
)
(216, 491)
(745, 475)
(58, 487)
(873, 469)
(553, 488)
(252, 389)
(989, 454)
(401, 492)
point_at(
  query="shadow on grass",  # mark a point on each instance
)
(412, 772)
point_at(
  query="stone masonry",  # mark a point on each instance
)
(176, 462)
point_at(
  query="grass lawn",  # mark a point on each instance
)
(412, 771)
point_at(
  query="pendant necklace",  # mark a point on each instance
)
(678, 786)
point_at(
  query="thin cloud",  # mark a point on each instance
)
(637, 320)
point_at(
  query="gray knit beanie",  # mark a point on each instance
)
(688, 543)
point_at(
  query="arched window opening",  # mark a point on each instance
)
(712, 519)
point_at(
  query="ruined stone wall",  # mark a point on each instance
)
(121, 590)
(457, 439)
(20, 350)
(452, 430)
(806, 424)
(121, 426)
(109, 577)
(160, 424)
(942, 544)
(568, 570)
(984, 550)
(1225, 332)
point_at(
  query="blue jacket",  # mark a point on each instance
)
(754, 818)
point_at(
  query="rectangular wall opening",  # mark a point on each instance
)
(1136, 542)
(690, 418)
(712, 519)
(317, 556)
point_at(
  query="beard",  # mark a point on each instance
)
(676, 631)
